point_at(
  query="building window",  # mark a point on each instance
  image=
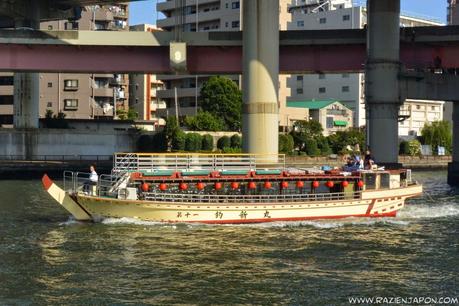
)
(323, 20)
(70, 104)
(433, 108)
(322, 90)
(50, 85)
(235, 5)
(345, 89)
(346, 17)
(49, 104)
(321, 76)
(329, 123)
(300, 23)
(299, 91)
(345, 75)
(226, 24)
(6, 100)
(226, 5)
(235, 24)
(418, 106)
(299, 78)
(70, 84)
(6, 81)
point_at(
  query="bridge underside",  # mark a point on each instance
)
(300, 51)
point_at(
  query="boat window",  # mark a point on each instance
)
(384, 180)
(370, 180)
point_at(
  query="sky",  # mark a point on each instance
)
(145, 11)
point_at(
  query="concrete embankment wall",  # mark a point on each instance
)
(27, 144)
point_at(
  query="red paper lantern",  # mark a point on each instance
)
(267, 185)
(300, 184)
(344, 184)
(284, 185)
(200, 186)
(145, 187)
(315, 184)
(183, 186)
(234, 185)
(360, 184)
(162, 187)
(218, 186)
(252, 185)
(330, 184)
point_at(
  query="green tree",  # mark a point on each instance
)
(207, 143)
(193, 142)
(304, 131)
(341, 139)
(324, 147)
(222, 97)
(437, 134)
(204, 121)
(286, 143)
(224, 142)
(178, 141)
(236, 141)
(171, 130)
(311, 147)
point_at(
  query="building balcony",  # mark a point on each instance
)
(166, 6)
(6, 109)
(181, 92)
(6, 90)
(103, 92)
(191, 19)
(103, 15)
(158, 105)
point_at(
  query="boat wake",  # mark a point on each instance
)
(428, 211)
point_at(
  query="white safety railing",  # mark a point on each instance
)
(149, 162)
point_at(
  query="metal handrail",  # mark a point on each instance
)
(185, 161)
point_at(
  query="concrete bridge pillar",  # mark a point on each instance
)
(383, 99)
(260, 76)
(27, 85)
(453, 167)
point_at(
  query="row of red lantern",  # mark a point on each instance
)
(252, 185)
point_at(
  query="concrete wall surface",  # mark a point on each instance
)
(29, 143)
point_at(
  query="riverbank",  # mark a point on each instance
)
(17, 169)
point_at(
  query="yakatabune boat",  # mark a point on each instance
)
(230, 189)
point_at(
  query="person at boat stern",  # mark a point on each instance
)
(92, 181)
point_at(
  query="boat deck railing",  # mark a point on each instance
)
(250, 199)
(131, 162)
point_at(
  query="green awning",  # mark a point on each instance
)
(339, 123)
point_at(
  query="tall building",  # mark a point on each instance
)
(78, 96)
(144, 88)
(345, 87)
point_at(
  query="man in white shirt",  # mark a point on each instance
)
(93, 179)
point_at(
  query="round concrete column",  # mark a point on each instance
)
(27, 85)
(382, 92)
(260, 76)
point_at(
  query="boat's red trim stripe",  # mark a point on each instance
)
(370, 207)
(47, 182)
(241, 221)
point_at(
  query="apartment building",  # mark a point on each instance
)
(344, 87)
(78, 96)
(144, 88)
(417, 113)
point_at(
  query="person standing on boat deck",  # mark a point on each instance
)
(369, 160)
(93, 179)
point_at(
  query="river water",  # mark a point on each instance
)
(46, 258)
